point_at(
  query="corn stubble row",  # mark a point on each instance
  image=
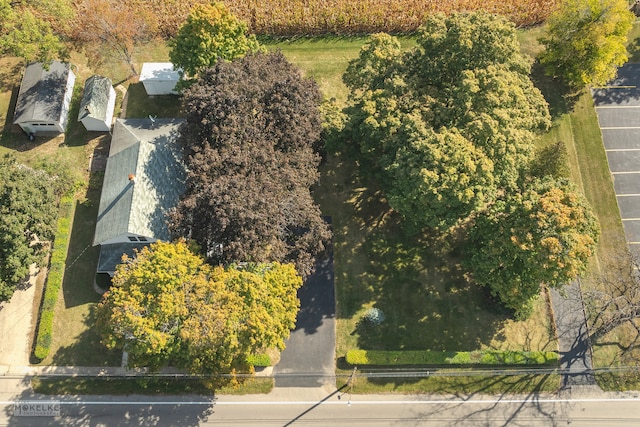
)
(313, 17)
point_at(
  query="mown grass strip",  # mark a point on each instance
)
(146, 386)
(454, 384)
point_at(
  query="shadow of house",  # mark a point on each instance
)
(44, 99)
(97, 104)
(143, 180)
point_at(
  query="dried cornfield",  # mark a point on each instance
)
(314, 17)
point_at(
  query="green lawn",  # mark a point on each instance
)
(456, 385)
(145, 385)
(140, 105)
(325, 59)
(417, 282)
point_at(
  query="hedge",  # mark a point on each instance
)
(54, 278)
(259, 360)
(478, 357)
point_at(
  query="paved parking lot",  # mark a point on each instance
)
(618, 108)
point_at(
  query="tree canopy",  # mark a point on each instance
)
(28, 216)
(32, 29)
(166, 305)
(543, 235)
(250, 130)
(210, 33)
(112, 29)
(585, 40)
(443, 126)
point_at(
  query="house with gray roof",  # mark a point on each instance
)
(97, 104)
(143, 180)
(45, 95)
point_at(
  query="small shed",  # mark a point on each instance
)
(159, 78)
(43, 102)
(97, 105)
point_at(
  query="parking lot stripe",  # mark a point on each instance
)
(622, 149)
(621, 127)
(618, 106)
(623, 173)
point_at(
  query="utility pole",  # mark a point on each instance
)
(349, 385)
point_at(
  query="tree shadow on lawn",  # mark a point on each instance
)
(141, 105)
(465, 386)
(82, 256)
(560, 97)
(427, 301)
(87, 349)
(416, 280)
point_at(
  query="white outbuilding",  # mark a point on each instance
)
(97, 105)
(159, 78)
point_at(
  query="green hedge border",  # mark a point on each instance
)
(260, 360)
(478, 357)
(54, 278)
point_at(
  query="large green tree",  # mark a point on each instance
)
(446, 125)
(542, 235)
(585, 40)
(166, 305)
(250, 131)
(34, 29)
(210, 33)
(28, 215)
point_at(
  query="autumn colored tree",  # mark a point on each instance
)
(543, 235)
(33, 29)
(442, 127)
(166, 305)
(210, 33)
(250, 131)
(612, 300)
(28, 216)
(112, 29)
(585, 41)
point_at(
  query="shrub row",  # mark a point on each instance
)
(54, 278)
(478, 357)
(259, 360)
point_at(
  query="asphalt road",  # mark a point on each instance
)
(377, 410)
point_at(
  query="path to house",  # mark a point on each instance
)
(309, 358)
(16, 321)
